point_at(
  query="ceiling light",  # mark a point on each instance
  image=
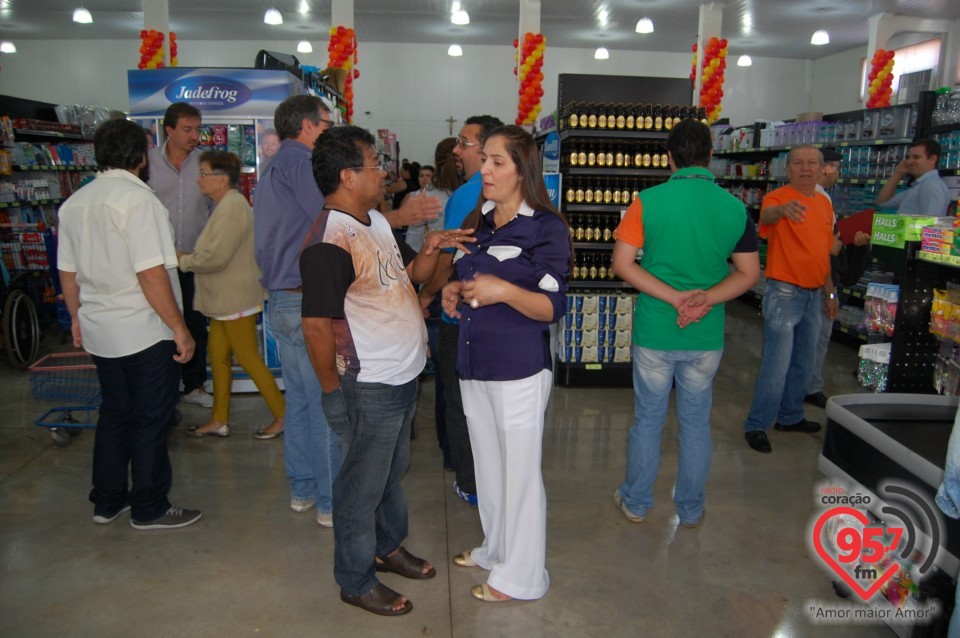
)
(744, 60)
(7, 47)
(460, 17)
(820, 37)
(455, 6)
(601, 54)
(304, 8)
(455, 51)
(644, 25)
(304, 47)
(272, 17)
(82, 16)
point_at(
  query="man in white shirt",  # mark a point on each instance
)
(928, 194)
(118, 269)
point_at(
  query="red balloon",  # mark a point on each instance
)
(356, 73)
(516, 43)
(538, 38)
(340, 31)
(693, 49)
(518, 121)
(890, 54)
(528, 37)
(143, 33)
(539, 92)
(723, 43)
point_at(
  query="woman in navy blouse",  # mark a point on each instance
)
(511, 287)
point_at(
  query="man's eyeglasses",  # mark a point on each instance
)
(329, 123)
(202, 174)
(378, 167)
(462, 143)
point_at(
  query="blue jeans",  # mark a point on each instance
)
(791, 326)
(823, 342)
(372, 422)
(310, 452)
(654, 372)
(139, 394)
(948, 500)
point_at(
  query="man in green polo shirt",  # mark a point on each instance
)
(687, 228)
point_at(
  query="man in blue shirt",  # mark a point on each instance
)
(928, 194)
(461, 203)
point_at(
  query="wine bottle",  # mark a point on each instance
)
(657, 118)
(647, 117)
(570, 195)
(621, 117)
(597, 193)
(667, 117)
(618, 155)
(655, 155)
(573, 115)
(601, 154)
(580, 195)
(588, 194)
(607, 195)
(592, 115)
(591, 154)
(592, 272)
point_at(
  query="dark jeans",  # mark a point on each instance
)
(193, 373)
(139, 392)
(372, 422)
(458, 437)
(439, 405)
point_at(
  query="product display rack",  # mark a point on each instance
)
(34, 186)
(589, 363)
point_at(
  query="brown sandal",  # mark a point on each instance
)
(379, 600)
(405, 564)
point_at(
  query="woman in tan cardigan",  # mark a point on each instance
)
(228, 291)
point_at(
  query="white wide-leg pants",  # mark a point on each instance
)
(505, 420)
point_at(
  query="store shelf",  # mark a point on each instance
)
(608, 171)
(32, 202)
(594, 208)
(580, 284)
(593, 245)
(622, 134)
(57, 167)
(594, 375)
(775, 149)
(745, 178)
(852, 332)
(51, 134)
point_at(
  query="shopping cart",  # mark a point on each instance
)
(70, 378)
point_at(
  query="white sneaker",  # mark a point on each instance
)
(298, 504)
(199, 397)
(324, 520)
(208, 386)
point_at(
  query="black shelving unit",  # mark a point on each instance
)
(607, 89)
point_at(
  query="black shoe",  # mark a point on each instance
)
(818, 399)
(801, 426)
(757, 439)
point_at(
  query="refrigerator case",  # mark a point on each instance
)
(237, 107)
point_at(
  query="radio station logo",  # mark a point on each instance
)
(880, 562)
(208, 93)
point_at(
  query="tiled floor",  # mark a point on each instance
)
(252, 567)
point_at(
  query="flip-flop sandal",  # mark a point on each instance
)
(464, 560)
(405, 564)
(379, 600)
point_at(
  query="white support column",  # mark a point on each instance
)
(884, 26)
(709, 26)
(156, 15)
(529, 23)
(341, 14)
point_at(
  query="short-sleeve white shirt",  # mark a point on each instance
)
(111, 229)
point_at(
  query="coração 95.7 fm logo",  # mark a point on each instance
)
(877, 560)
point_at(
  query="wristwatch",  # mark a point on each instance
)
(830, 295)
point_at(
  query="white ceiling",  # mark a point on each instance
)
(774, 28)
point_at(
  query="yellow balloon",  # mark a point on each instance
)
(151, 64)
(883, 73)
(705, 78)
(714, 63)
(723, 53)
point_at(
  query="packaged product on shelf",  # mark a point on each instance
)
(235, 139)
(880, 308)
(874, 366)
(249, 147)
(946, 369)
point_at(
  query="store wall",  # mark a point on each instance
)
(410, 89)
(836, 80)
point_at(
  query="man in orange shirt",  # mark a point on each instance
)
(797, 223)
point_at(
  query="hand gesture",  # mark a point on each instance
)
(419, 209)
(453, 238)
(185, 346)
(861, 238)
(483, 290)
(691, 307)
(794, 211)
(450, 299)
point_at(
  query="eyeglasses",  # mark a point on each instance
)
(202, 174)
(462, 143)
(378, 167)
(329, 123)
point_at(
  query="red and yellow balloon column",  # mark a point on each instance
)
(343, 55)
(880, 79)
(151, 49)
(711, 80)
(529, 72)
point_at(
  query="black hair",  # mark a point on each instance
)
(289, 115)
(335, 150)
(119, 144)
(930, 147)
(224, 162)
(487, 124)
(690, 143)
(177, 110)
